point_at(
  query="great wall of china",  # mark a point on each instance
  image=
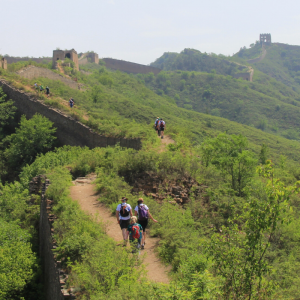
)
(70, 132)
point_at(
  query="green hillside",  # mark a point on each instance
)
(270, 106)
(194, 60)
(281, 62)
(118, 104)
(230, 234)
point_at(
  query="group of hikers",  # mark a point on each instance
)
(134, 226)
(160, 126)
(39, 88)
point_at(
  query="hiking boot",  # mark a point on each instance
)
(143, 247)
(162, 137)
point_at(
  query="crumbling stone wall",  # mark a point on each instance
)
(246, 76)
(31, 72)
(69, 131)
(3, 63)
(12, 59)
(53, 277)
(129, 67)
(260, 58)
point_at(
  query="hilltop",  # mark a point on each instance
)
(194, 60)
(282, 62)
(267, 103)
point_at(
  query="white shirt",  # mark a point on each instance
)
(137, 208)
(119, 209)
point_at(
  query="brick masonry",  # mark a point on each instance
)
(69, 131)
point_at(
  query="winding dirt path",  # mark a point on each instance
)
(165, 142)
(84, 192)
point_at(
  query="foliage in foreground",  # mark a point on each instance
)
(193, 252)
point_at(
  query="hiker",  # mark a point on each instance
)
(123, 214)
(143, 213)
(157, 127)
(71, 102)
(155, 123)
(41, 88)
(162, 126)
(135, 232)
(47, 91)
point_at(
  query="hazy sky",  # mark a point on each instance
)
(142, 30)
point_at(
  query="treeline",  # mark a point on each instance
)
(194, 60)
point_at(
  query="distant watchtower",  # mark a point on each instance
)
(265, 39)
(3, 63)
(61, 55)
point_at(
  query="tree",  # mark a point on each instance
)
(34, 136)
(239, 250)
(7, 110)
(263, 155)
(16, 260)
(229, 155)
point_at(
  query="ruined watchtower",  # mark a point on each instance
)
(94, 57)
(3, 63)
(265, 39)
(62, 55)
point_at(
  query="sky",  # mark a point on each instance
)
(141, 30)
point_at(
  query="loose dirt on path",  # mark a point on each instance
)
(84, 192)
(165, 142)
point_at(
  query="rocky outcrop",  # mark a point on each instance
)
(180, 191)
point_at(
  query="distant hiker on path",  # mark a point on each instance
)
(162, 126)
(123, 214)
(71, 102)
(143, 213)
(47, 91)
(135, 232)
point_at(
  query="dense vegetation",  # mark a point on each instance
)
(194, 60)
(263, 104)
(204, 261)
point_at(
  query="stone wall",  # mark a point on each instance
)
(246, 76)
(129, 67)
(69, 131)
(83, 61)
(258, 59)
(11, 59)
(53, 277)
(31, 72)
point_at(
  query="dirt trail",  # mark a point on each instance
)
(84, 192)
(165, 142)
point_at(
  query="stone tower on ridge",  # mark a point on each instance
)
(61, 55)
(3, 63)
(265, 39)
